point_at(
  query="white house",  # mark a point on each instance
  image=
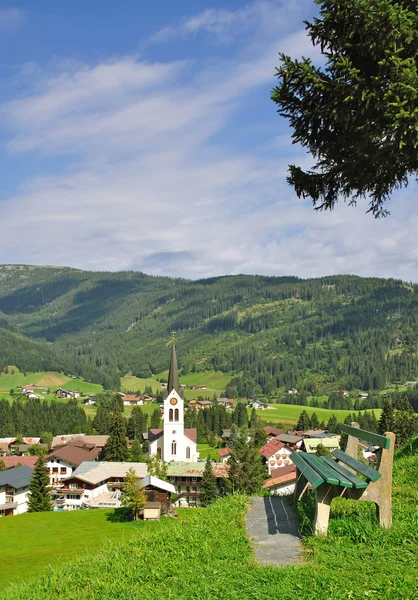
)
(173, 442)
(14, 490)
(282, 481)
(62, 462)
(276, 454)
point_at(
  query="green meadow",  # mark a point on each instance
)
(289, 413)
(210, 556)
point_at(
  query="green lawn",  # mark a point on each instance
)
(216, 381)
(212, 557)
(205, 450)
(47, 379)
(289, 413)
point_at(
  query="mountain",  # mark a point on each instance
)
(271, 332)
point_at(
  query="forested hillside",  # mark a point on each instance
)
(269, 332)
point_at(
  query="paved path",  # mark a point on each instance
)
(271, 522)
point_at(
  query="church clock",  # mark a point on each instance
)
(173, 401)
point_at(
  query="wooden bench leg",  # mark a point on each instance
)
(324, 496)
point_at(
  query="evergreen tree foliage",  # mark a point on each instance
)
(246, 471)
(133, 495)
(314, 421)
(357, 115)
(116, 447)
(332, 425)
(39, 497)
(137, 423)
(386, 421)
(321, 450)
(235, 437)
(155, 419)
(303, 422)
(208, 489)
(136, 452)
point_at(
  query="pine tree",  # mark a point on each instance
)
(303, 422)
(39, 498)
(314, 421)
(332, 424)
(234, 436)
(116, 448)
(246, 471)
(208, 489)
(386, 421)
(133, 495)
(136, 452)
(155, 419)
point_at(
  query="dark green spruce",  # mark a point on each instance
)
(39, 496)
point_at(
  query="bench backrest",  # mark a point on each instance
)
(374, 438)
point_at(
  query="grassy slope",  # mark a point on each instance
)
(47, 379)
(289, 413)
(214, 380)
(211, 557)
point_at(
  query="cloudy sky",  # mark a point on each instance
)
(142, 136)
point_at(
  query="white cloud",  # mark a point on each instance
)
(149, 184)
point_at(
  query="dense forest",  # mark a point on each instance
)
(271, 333)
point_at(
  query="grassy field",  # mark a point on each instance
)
(205, 450)
(211, 557)
(289, 413)
(215, 381)
(47, 379)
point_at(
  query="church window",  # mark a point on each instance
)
(176, 414)
(170, 414)
(173, 448)
(188, 452)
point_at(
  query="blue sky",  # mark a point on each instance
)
(141, 136)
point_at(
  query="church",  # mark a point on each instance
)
(173, 442)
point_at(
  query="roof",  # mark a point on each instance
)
(224, 452)
(194, 469)
(269, 430)
(73, 455)
(104, 500)
(191, 434)
(96, 440)
(311, 432)
(4, 447)
(16, 478)
(280, 476)
(154, 434)
(158, 483)
(271, 448)
(13, 461)
(97, 471)
(152, 505)
(311, 444)
(287, 438)
(133, 397)
(173, 382)
(204, 402)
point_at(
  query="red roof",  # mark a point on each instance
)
(13, 461)
(271, 448)
(191, 434)
(286, 474)
(224, 452)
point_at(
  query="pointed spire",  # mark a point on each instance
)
(173, 377)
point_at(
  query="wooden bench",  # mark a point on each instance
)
(345, 476)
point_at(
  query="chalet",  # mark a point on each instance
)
(9, 444)
(70, 394)
(224, 454)
(14, 487)
(202, 404)
(91, 479)
(30, 394)
(275, 454)
(293, 442)
(310, 445)
(133, 400)
(257, 405)
(292, 391)
(362, 395)
(410, 384)
(63, 461)
(282, 481)
(79, 439)
(186, 478)
(228, 403)
(89, 401)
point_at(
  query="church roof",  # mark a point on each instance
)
(173, 376)
(154, 434)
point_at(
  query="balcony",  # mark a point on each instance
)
(8, 505)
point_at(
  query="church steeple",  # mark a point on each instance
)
(173, 376)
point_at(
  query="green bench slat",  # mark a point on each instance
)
(311, 475)
(374, 438)
(356, 481)
(330, 476)
(368, 472)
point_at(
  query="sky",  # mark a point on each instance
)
(141, 136)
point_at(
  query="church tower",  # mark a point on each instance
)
(174, 439)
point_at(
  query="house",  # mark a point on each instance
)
(173, 441)
(24, 448)
(63, 461)
(257, 405)
(133, 400)
(310, 445)
(410, 383)
(6, 445)
(30, 394)
(292, 391)
(63, 393)
(14, 490)
(228, 403)
(224, 454)
(186, 478)
(272, 432)
(313, 433)
(91, 479)
(292, 441)
(202, 404)
(282, 481)
(362, 395)
(89, 401)
(10, 462)
(275, 454)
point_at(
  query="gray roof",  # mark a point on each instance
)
(18, 477)
(95, 471)
(173, 377)
(287, 438)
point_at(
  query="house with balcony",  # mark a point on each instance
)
(186, 478)
(276, 454)
(14, 490)
(63, 461)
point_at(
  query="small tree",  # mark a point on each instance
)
(303, 422)
(157, 467)
(155, 419)
(136, 452)
(39, 498)
(386, 420)
(246, 471)
(314, 421)
(322, 451)
(208, 489)
(133, 495)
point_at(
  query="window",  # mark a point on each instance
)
(194, 488)
(55, 469)
(176, 414)
(173, 448)
(73, 486)
(194, 478)
(188, 452)
(170, 414)
(63, 470)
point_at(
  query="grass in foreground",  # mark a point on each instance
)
(209, 556)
